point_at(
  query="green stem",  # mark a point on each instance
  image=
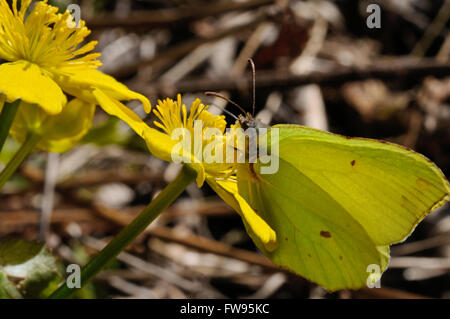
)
(130, 232)
(26, 148)
(6, 119)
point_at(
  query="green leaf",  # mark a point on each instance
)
(32, 267)
(7, 289)
(15, 251)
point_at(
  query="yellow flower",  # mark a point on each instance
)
(46, 59)
(59, 132)
(173, 116)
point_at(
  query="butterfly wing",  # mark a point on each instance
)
(387, 188)
(337, 203)
(317, 238)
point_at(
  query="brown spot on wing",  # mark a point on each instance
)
(423, 184)
(353, 162)
(325, 234)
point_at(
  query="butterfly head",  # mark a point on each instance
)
(248, 121)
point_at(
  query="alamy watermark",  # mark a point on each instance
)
(75, 16)
(74, 278)
(373, 280)
(374, 19)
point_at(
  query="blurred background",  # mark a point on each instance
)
(343, 66)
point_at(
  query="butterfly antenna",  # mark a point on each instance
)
(253, 85)
(226, 99)
(226, 111)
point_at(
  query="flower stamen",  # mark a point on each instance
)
(44, 37)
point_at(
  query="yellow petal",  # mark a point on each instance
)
(114, 107)
(82, 82)
(59, 132)
(201, 175)
(161, 146)
(26, 81)
(228, 191)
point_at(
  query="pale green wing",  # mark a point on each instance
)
(317, 238)
(387, 188)
(336, 203)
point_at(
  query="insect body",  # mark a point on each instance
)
(335, 203)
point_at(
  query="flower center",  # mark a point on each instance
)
(44, 37)
(173, 115)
